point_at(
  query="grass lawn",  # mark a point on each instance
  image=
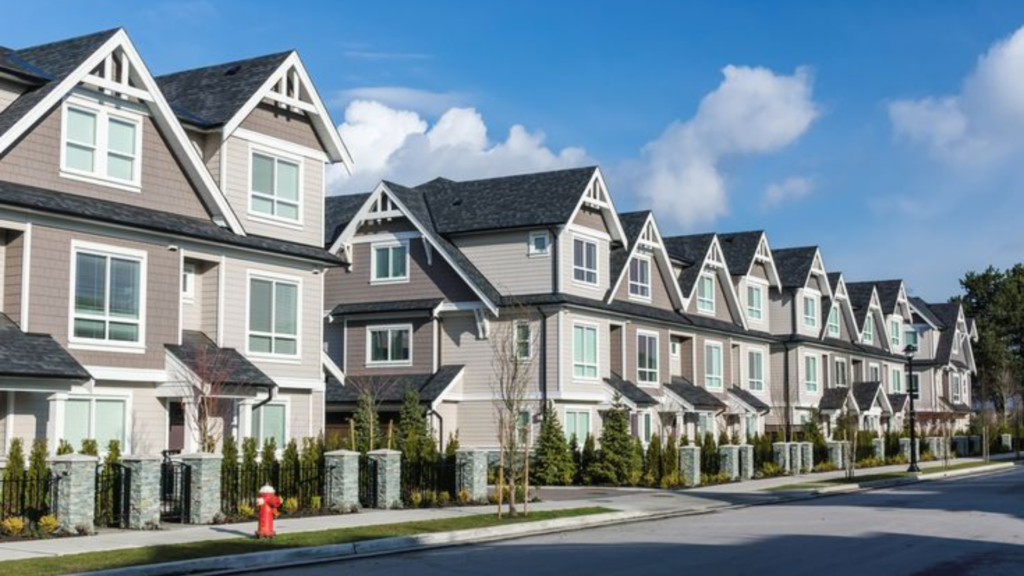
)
(107, 560)
(864, 479)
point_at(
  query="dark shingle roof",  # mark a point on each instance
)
(696, 396)
(340, 211)
(948, 313)
(859, 294)
(739, 249)
(924, 310)
(632, 225)
(834, 398)
(899, 402)
(125, 215)
(391, 389)
(209, 97)
(630, 391)
(833, 280)
(865, 393)
(30, 355)
(794, 265)
(888, 293)
(689, 250)
(749, 399)
(208, 361)
(426, 304)
(541, 199)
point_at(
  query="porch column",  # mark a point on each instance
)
(729, 460)
(204, 486)
(746, 461)
(807, 456)
(389, 477)
(796, 465)
(905, 448)
(879, 445)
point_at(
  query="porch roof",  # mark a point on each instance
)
(630, 391)
(749, 399)
(208, 362)
(697, 397)
(391, 389)
(31, 355)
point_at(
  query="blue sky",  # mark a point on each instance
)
(884, 132)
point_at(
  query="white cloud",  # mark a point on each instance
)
(402, 98)
(400, 145)
(792, 188)
(984, 122)
(753, 111)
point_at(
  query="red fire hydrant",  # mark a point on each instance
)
(268, 503)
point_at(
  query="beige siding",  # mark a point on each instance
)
(722, 310)
(9, 92)
(300, 424)
(3, 422)
(460, 346)
(210, 299)
(13, 271)
(192, 308)
(35, 161)
(503, 257)
(781, 312)
(590, 218)
(764, 324)
(149, 421)
(476, 424)
(615, 344)
(31, 415)
(565, 256)
(286, 125)
(422, 347)
(449, 423)
(659, 291)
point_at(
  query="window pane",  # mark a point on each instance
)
(262, 205)
(577, 344)
(124, 332)
(382, 267)
(260, 344)
(79, 158)
(125, 290)
(286, 308)
(570, 424)
(109, 422)
(398, 262)
(120, 167)
(285, 346)
(583, 426)
(90, 283)
(272, 421)
(289, 211)
(262, 174)
(76, 422)
(81, 127)
(260, 297)
(379, 345)
(121, 137)
(287, 180)
(591, 348)
(90, 328)
(399, 344)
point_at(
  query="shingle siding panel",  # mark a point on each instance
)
(283, 124)
(13, 272)
(504, 258)
(422, 347)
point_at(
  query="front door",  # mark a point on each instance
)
(176, 427)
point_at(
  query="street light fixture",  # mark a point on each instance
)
(909, 351)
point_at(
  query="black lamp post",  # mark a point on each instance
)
(909, 351)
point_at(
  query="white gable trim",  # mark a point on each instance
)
(605, 204)
(664, 264)
(818, 269)
(715, 258)
(336, 149)
(915, 310)
(763, 255)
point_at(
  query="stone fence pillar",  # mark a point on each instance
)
(389, 477)
(796, 465)
(689, 465)
(937, 446)
(729, 460)
(781, 451)
(836, 453)
(76, 491)
(746, 462)
(807, 456)
(143, 491)
(879, 445)
(203, 486)
(1006, 441)
(342, 469)
(905, 448)
(471, 474)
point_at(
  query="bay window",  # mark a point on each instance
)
(275, 186)
(273, 317)
(109, 295)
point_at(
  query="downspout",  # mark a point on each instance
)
(788, 421)
(556, 278)
(542, 376)
(270, 396)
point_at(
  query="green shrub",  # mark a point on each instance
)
(616, 461)
(64, 447)
(90, 447)
(653, 464)
(770, 470)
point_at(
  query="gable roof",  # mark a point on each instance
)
(948, 314)
(695, 397)
(691, 251)
(749, 399)
(390, 389)
(865, 394)
(631, 392)
(740, 249)
(339, 211)
(834, 398)
(924, 311)
(860, 294)
(204, 358)
(888, 294)
(794, 265)
(30, 355)
(634, 224)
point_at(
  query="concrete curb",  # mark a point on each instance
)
(921, 477)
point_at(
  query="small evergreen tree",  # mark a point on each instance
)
(268, 460)
(574, 452)
(229, 473)
(709, 456)
(555, 465)
(636, 464)
(38, 467)
(365, 425)
(14, 474)
(289, 475)
(588, 460)
(653, 464)
(723, 438)
(452, 446)
(64, 447)
(670, 460)
(90, 447)
(614, 465)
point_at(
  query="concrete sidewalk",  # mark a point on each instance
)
(635, 500)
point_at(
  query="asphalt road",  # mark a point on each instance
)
(972, 526)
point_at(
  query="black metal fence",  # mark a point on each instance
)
(30, 497)
(437, 476)
(175, 491)
(307, 484)
(113, 487)
(367, 482)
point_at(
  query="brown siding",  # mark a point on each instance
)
(13, 257)
(631, 352)
(659, 291)
(422, 347)
(283, 124)
(758, 270)
(590, 218)
(615, 354)
(35, 161)
(210, 300)
(722, 310)
(50, 302)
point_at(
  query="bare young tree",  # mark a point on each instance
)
(208, 394)
(377, 389)
(514, 352)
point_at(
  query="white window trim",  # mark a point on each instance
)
(597, 354)
(674, 348)
(954, 384)
(817, 375)
(813, 296)
(276, 154)
(871, 368)
(846, 372)
(79, 343)
(578, 410)
(896, 375)
(896, 322)
(630, 282)
(868, 336)
(657, 359)
(103, 114)
(531, 249)
(247, 407)
(750, 380)
(98, 393)
(835, 328)
(711, 309)
(721, 355)
(760, 301)
(251, 275)
(597, 261)
(515, 338)
(373, 262)
(386, 363)
(188, 272)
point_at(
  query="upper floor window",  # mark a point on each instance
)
(755, 302)
(389, 344)
(673, 348)
(875, 373)
(524, 342)
(895, 334)
(897, 380)
(390, 262)
(955, 387)
(833, 322)
(584, 351)
(713, 369)
(584, 261)
(647, 358)
(869, 329)
(273, 317)
(755, 370)
(706, 293)
(540, 244)
(956, 341)
(911, 337)
(640, 277)
(811, 311)
(188, 281)
(811, 373)
(102, 143)
(842, 379)
(109, 296)
(275, 186)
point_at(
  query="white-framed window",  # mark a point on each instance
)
(108, 296)
(911, 337)
(271, 421)
(100, 143)
(897, 380)
(750, 425)
(188, 281)
(584, 261)
(673, 348)
(896, 334)
(956, 341)
(834, 322)
(524, 340)
(705, 425)
(647, 357)
(755, 302)
(811, 373)
(706, 293)
(273, 321)
(577, 423)
(841, 376)
(584, 351)
(646, 427)
(810, 311)
(713, 367)
(640, 277)
(955, 386)
(540, 243)
(869, 329)
(874, 373)
(524, 426)
(389, 262)
(915, 385)
(389, 345)
(275, 186)
(99, 418)
(755, 370)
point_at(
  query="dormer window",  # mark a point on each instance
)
(584, 261)
(274, 187)
(755, 302)
(895, 334)
(869, 330)
(706, 294)
(833, 322)
(956, 342)
(540, 244)
(640, 277)
(811, 311)
(100, 143)
(389, 262)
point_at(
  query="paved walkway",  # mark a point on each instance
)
(626, 499)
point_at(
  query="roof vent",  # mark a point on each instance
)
(233, 70)
(457, 202)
